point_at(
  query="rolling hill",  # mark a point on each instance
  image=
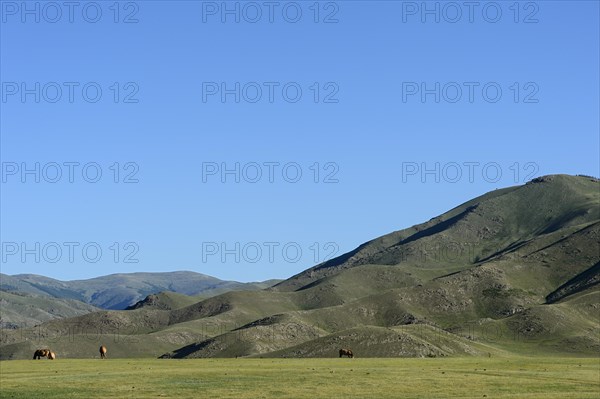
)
(27, 300)
(514, 270)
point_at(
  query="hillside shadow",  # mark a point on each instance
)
(438, 228)
(579, 283)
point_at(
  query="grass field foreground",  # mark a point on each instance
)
(509, 377)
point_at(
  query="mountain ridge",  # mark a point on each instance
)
(515, 270)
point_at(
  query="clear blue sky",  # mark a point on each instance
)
(370, 131)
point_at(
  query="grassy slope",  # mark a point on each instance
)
(23, 310)
(476, 230)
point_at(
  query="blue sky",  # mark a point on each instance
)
(360, 97)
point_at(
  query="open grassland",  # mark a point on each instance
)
(496, 377)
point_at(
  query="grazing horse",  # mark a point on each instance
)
(51, 355)
(346, 352)
(40, 353)
(102, 352)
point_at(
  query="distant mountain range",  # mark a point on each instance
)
(29, 298)
(513, 271)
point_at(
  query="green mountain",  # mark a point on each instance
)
(514, 270)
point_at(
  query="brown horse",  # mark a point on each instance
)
(346, 352)
(40, 353)
(51, 355)
(102, 352)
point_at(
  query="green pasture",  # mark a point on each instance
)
(474, 377)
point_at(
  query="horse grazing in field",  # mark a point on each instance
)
(102, 352)
(40, 353)
(51, 355)
(346, 352)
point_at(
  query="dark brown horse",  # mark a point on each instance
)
(102, 352)
(40, 353)
(346, 352)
